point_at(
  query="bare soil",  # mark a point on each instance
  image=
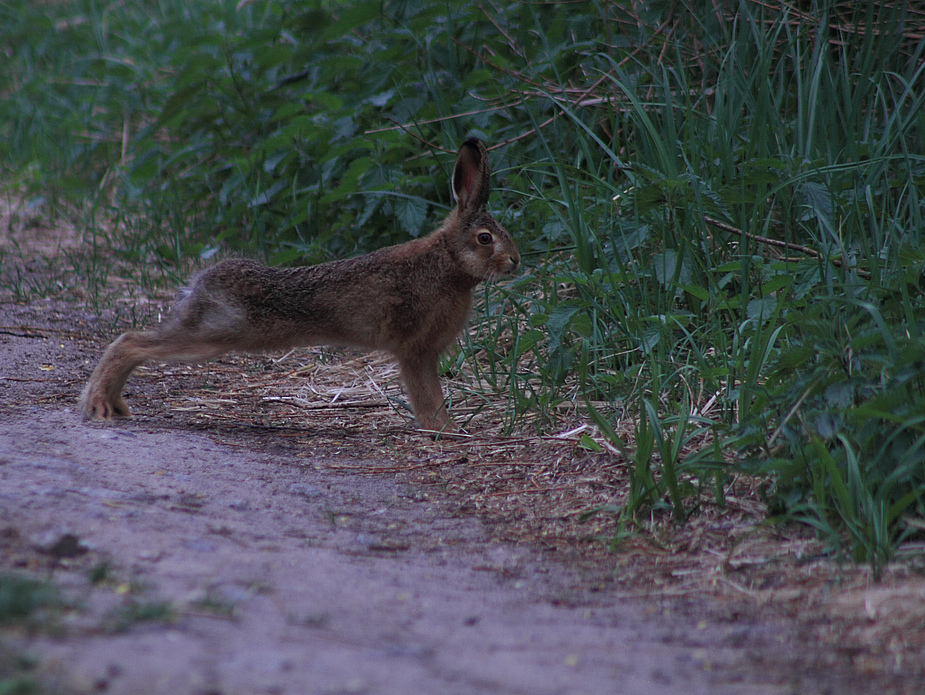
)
(276, 525)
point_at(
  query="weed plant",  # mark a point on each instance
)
(720, 205)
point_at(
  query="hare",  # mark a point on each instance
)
(411, 300)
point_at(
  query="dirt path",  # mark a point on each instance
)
(320, 585)
(263, 572)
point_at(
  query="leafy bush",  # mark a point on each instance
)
(849, 395)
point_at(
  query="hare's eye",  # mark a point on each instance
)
(485, 238)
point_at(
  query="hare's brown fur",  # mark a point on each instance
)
(411, 300)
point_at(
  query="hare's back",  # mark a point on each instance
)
(266, 308)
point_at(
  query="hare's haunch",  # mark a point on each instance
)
(411, 300)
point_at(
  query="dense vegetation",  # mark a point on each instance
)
(720, 204)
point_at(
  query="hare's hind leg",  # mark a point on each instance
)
(102, 399)
(422, 381)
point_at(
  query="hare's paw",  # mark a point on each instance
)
(438, 428)
(450, 427)
(97, 405)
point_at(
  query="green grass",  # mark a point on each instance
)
(22, 599)
(29, 603)
(645, 152)
(134, 612)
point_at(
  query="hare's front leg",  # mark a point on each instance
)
(422, 381)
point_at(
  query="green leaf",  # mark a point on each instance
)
(354, 17)
(761, 309)
(411, 214)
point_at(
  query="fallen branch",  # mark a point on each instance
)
(840, 262)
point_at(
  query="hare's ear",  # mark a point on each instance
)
(472, 175)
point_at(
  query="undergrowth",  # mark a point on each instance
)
(719, 206)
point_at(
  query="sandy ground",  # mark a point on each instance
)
(283, 577)
(289, 582)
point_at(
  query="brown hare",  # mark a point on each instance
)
(411, 300)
